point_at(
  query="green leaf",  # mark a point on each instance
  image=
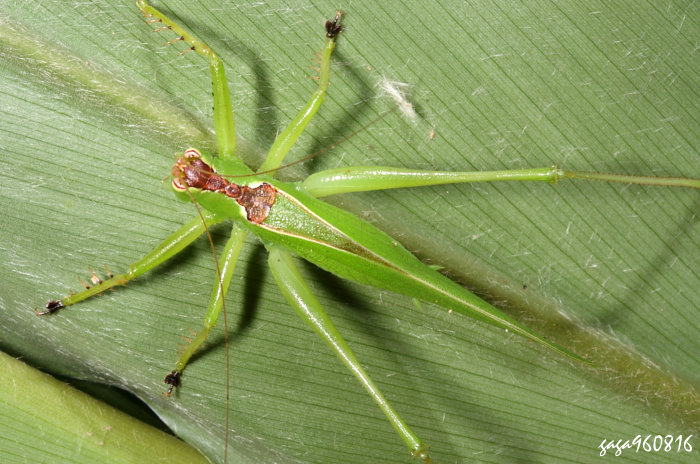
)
(93, 109)
(44, 420)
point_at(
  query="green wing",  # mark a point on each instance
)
(349, 247)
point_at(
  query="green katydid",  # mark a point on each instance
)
(330, 238)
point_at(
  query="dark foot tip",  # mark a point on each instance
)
(51, 307)
(173, 379)
(333, 28)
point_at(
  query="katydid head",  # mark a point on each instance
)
(190, 171)
(192, 176)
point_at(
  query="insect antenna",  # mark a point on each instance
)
(223, 310)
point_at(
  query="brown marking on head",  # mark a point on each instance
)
(190, 171)
(197, 172)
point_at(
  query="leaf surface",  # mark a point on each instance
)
(93, 110)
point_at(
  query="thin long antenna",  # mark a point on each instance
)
(223, 309)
